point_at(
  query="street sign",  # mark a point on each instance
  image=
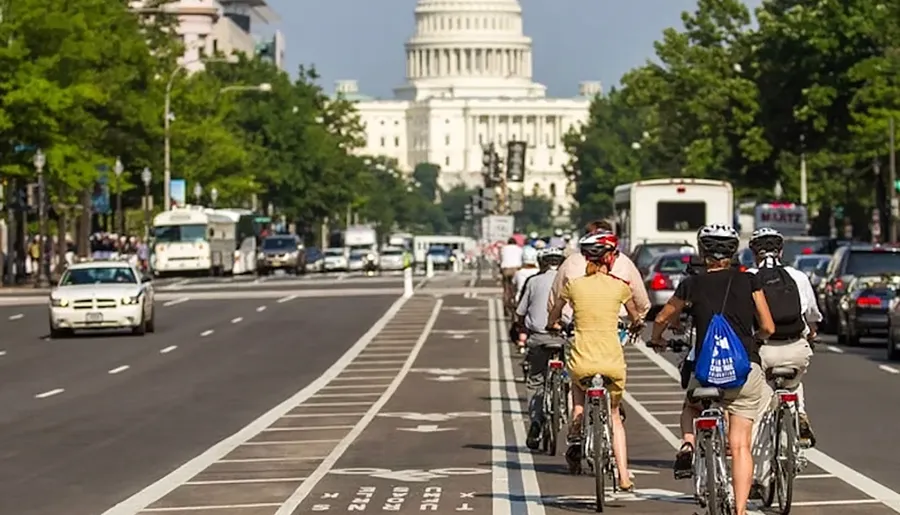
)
(497, 227)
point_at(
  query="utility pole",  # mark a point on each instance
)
(893, 171)
(804, 195)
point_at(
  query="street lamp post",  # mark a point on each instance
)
(40, 160)
(213, 196)
(146, 176)
(167, 120)
(198, 192)
(118, 168)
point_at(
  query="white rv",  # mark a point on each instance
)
(246, 241)
(670, 210)
(193, 240)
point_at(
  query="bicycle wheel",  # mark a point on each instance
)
(598, 454)
(555, 412)
(545, 410)
(785, 459)
(713, 497)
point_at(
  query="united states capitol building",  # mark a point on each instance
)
(468, 83)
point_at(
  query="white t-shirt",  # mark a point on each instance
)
(809, 306)
(511, 256)
(519, 280)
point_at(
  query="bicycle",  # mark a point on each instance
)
(556, 406)
(786, 458)
(712, 478)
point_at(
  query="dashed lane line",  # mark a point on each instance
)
(207, 332)
(863, 483)
(303, 491)
(287, 299)
(889, 369)
(176, 301)
(2, 353)
(260, 309)
(17, 316)
(118, 370)
(836, 350)
(168, 349)
(154, 492)
(236, 320)
(49, 393)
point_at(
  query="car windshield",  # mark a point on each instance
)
(334, 252)
(98, 275)
(179, 233)
(808, 264)
(649, 253)
(392, 252)
(872, 263)
(794, 248)
(673, 264)
(358, 254)
(279, 244)
(438, 250)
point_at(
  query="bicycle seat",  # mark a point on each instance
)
(587, 382)
(781, 372)
(705, 393)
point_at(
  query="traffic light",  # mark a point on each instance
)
(839, 211)
(485, 202)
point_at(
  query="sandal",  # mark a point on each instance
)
(628, 488)
(684, 462)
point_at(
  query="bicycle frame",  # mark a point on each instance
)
(783, 448)
(597, 401)
(555, 378)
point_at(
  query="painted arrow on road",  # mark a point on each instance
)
(424, 428)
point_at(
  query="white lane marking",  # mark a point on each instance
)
(18, 316)
(49, 393)
(291, 504)
(154, 492)
(316, 415)
(287, 299)
(814, 476)
(248, 481)
(499, 472)
(664, 393)
(371, 394)
(2, 353)
(176, 301)
(236, 320)
(207, 332)
(119, 370)
(379, 386)
(835, 503)
(530, 485)
(836, 350)
(308, 428)
(290, 442)
(369, 370)
(658, 413)
(889, 369)
(333, 404)
(213, 507)
(260, 309)
(362, 378)
(168, 349)
(861, 482)
(271, 460)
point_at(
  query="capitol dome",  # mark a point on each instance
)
(469, 48)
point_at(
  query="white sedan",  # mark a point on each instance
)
(102, 295)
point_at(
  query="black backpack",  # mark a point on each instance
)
(783, 297)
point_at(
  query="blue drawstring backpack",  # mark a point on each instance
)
(722, 361)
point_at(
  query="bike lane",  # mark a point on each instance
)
(429, 448)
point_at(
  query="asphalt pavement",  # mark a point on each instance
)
(289, 405)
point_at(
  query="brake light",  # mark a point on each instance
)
(685, 259)
(706, 423)
(868, 302)
(680, 189)
(838, 285)
(555, 364)
(742, 268)
(659, 282)
(595, 393)
(807, 251)
(788, 397)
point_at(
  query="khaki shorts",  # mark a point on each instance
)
(744, 401)
(509, 272)
(796, 354)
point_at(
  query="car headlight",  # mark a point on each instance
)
(128, 301)
(59, 303)
(371, 257)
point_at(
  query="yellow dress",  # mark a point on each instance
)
(596, 300)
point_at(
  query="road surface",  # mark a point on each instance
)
(301, 401)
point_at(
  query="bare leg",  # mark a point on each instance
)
(739, 431)
(577, 411)
(688, 414)
(620, 447)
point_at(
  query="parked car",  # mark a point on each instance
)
(808, 263)
(441, 257)
(847, 263)
(644, 254)
(663, 276)
(392, 258)
(335, 260)
(863, 310)
(315, 259)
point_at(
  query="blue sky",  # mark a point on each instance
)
(574, 40)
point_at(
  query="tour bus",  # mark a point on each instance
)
(246, 238)
(193, 240)
(670, 210)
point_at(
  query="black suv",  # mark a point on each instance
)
(849, 262)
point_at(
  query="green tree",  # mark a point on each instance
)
(426, 174)
(536, 214)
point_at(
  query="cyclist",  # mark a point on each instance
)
(532, 315)
(575, 265)
(795, 312)
(510, 263)
(744, 307)
(596, 349)
(557, 239)
(529, 268)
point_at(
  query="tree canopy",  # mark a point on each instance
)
(728, 99)
(86, 82)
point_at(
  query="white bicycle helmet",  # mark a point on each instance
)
(766, 240)
(529, 256)
(597, 244)
(540, 244)
(558, 232)
(550, 252)
(718, 241)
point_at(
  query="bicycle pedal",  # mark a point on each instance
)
(684, 474)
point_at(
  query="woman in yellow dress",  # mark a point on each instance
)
(596, 300)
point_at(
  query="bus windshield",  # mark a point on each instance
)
(179, 233)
